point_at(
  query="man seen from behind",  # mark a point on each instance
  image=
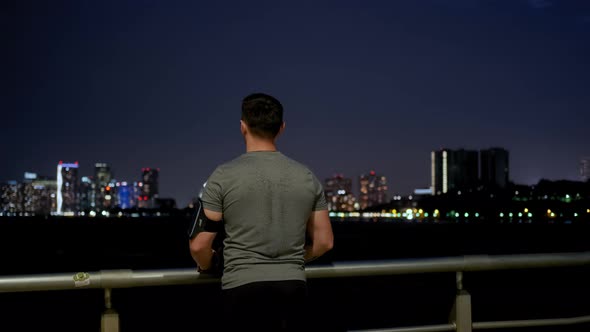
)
(268, 204)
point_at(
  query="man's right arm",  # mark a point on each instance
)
(319, 230)
(201, 246)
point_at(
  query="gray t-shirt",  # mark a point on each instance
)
(266, 199)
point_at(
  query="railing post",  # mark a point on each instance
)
(110, 318)
(461, 313)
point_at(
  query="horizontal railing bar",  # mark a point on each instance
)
(531, 323)
(449, 264)
(104, 279)
(130, 278)
(488, 325)
(428, 328)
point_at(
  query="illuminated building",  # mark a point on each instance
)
(67, 188)
(120, 194)
(102, 174)
(339, 195)
(422, 192)
(149, 188)
(28, 193)
(11, 197)
(136, 193)
(35, 195)
(125, 195)
(373, 190)
(102, 179)
(494, 168)
(87, 194)
(453, 170)
(585, 169)
(111, 195)
(44, 195)
(104, 196)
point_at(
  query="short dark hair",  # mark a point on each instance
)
(263, 114)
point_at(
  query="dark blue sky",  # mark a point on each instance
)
(365, 85)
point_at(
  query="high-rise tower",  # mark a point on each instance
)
(67, 187)
(373, 190)
(453, 170)
(149, 188)
(339, 195)
(494, 168)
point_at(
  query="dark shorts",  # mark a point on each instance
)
(266, 306)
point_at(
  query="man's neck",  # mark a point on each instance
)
(256, 144)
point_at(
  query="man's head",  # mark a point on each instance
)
(263, 114)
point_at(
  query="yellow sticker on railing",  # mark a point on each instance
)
(81, 279)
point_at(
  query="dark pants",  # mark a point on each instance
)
(266, 306)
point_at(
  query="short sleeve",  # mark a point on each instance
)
(212, 193)
(320, 197)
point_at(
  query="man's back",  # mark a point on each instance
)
(266, 199)
(268, 204)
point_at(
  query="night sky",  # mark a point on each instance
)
(366, 85)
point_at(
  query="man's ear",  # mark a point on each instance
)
(281, 130)
(243, 127)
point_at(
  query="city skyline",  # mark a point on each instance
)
(368, 85)
(104, 196)
(482, 170)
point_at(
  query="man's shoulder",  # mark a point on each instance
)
(228, 164)
(232, 165)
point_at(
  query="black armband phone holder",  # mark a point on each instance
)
(201, 223)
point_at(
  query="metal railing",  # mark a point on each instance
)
(460, 318)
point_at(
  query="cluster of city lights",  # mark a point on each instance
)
(409, 214)
(414, 213)
(91, 214)
(520, 214)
